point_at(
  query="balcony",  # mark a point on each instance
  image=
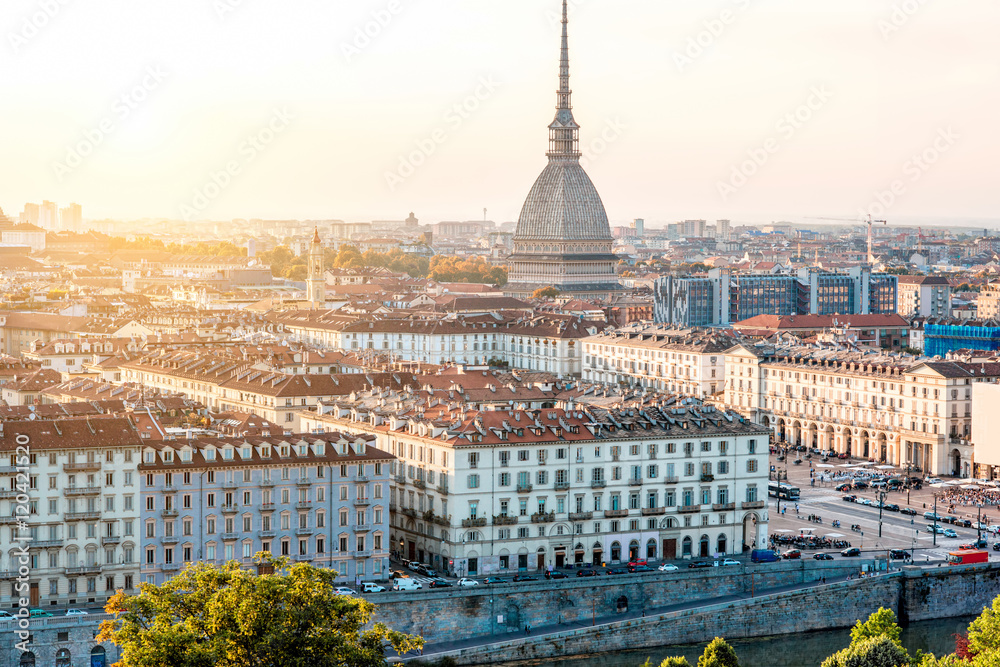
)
(653, 511)
(420, 484)
(399, 479)
(410, 512)
(479, 522)
(304, 505)
(230, 508)
(671, 480)
(230, 485)
(267, 534)
(82, 516)
(362, 528)
(267, 482)
(302, 558)
(689, 509)
(266, 507)
(362, 554)
(752, 505)
(8, 470)
(635, 482)
(707, 478)
(362, 502)
(615, 514)
(6, 520)
(504, 520)
(111, 539)
(75, 491)
(303, 532)
(543, 517)
(8, 493)
(303, 481)
(442, 489)
(169, 513)
(362, 479)
(229, 537)
(170, 567)
(524, 488)
(82, 467)
(562, 486)
(170, 539)
(723, 507)
(598, 484)
(45, 544)
(84, 569)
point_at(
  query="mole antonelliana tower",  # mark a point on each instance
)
(563, 238)
(316, 278)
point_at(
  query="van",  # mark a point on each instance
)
(763, 556)
(406, 585)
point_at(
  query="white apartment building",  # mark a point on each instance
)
(83, 496)
(685, 361)
(504, 491)
(549, 343)
(888, 408)
(926, 296)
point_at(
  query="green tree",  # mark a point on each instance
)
(545, 293)
(669, 662)
(881, 622)
(718, 654)
(878, 651)
(208, 616)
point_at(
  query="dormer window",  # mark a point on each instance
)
(245, 452)
(320, 449)
(284, 450)
(227, 454)
(150, 457)
(168, 456)
(186, 456)
(303, 450)
(209, 454)
(265, 452)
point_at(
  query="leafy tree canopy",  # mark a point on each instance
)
(545, 293)
(718, 654)
(208, 616)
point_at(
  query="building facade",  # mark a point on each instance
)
(314, 498)
(504, 491)
(924, 296)
(887, 408)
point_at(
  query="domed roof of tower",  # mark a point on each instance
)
(563, 204)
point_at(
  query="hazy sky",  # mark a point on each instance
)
(162, 95)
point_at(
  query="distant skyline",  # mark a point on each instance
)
(755, 111)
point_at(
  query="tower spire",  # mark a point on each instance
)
(564, 133)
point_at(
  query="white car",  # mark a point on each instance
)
(77, 612)
(728, 561)
(666, 567)
(933, 480)
(467, 582)
(344, 590)
(372, 587)
(5, 615)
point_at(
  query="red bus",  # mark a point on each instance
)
(967, 557)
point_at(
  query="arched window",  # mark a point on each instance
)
(616, 551)
(651, 549)
(686, 547)
(27, 660)
(721, 545)
(62, 658)
(703, 546)
(622, 605)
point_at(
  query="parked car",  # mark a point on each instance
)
(344, 590)
(555, 574)
(727, 561)
(524, 577)
(948, 532)
(467, 582)
(822, 557)
(899, 554)
(637, 562)
(851, 552)
(440, 583)
(77, 612)
(860, 484)
(419, 568)
(667, 567)
(699, 564)
(844, 487)
(908, 511)
(791, 554)
(965, 523)
(932, 515)
(371, 587)
(891, 507)
(396, 574)
(935, 529)
(587, 573)
(406, 585)
(39, 613)
(616, 570)
(933, 480)
(850, 499)
(640, 568)
(431, 572)
(493, 580)
(5, 615)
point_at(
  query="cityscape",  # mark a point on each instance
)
(669, 388)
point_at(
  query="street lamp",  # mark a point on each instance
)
(881, 495)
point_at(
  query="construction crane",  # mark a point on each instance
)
(920, 240)
(871, 255)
